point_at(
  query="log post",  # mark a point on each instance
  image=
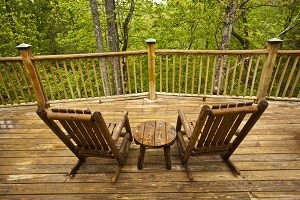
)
(26, 54)
(151, 67)
(266, 75)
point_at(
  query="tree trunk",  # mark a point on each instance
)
(11, 21)
(99, 43)
(228, 21)
(113, 42)
(125, 39)
(125, 25)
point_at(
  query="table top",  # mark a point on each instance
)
(154, 133)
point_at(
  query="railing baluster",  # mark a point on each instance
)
(122, 74)
(294, 84)
(193, 74)
(275, 75)
(222, 61)
(180, 72)
(167, 73)
(141, 74)
(87, 73)
(248, 75)
(213, 75)
(110, 76)
(287, 84)
(160, 74)
(54, 81)
(173, 74)
(101, 69)
(18, 83)
(68, 79)
(134, 74)
(226, 75)
(186, 73)
(61, 80)
(233, 75)
(12, 86)
(282, 76)
(75, 79)
(206, 75)
(200, 75)
(25, 83)
(254, 75)
(82, 78)
(5, 87)
(96, 78)
(128, 74)
(48, 86)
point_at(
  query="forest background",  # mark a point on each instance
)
(85, 26)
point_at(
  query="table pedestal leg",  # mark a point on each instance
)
(167, 157)
(141, 157)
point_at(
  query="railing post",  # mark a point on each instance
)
(26, 54)
(266, 75)
(151, 67)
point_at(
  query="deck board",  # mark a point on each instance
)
(34, 163)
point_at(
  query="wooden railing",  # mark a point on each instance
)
(253, 74)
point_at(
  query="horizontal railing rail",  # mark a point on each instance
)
(250, 74)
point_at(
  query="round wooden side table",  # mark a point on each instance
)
(154, 134)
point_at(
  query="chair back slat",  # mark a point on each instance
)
(100, 137)
(83, 129)
(234, 128)
(103, 133)
(213, 129)
(223, 129)
(205, 131)
(92, 135)
(222, 123)
(72, 133)
(80, 133)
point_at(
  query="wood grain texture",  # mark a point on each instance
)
(34, 162)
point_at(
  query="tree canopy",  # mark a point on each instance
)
(63, 26)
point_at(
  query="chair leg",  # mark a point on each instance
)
(116, 175)
(141, 157)
(188, 171)
(232, 166)
(167, 157)
(76, 167)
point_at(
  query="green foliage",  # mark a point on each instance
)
(63, 26)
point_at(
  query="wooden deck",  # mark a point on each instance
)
(34, 163)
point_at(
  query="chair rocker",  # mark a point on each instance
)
(86, 134)
(218, 130)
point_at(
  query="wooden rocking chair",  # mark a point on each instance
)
(87, 134)
(218, 130)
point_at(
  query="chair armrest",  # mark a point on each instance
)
(120, 125)
(185, 123)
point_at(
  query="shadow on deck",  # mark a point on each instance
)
(34, 163)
